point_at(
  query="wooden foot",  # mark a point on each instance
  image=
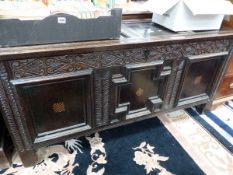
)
(28, 157)
(6, 148)
(211, 106)
(201, 108)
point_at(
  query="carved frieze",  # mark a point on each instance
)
(35, 67)
(205, 47)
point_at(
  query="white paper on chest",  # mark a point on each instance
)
(185, 15)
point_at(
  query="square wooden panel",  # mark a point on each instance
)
(54, 106)
(199, 76)
(140, 89)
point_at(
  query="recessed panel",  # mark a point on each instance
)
(55, 105)
(199, 78)
(140, 88)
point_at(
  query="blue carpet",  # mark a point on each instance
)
(141, 148)
(119, 144)
(221, 123)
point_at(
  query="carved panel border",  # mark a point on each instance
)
(5, 107)
(171, 84)
(102, 96)
(178, 76)
(12, 112)
(154, 102)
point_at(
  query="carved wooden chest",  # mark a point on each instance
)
(51, 93)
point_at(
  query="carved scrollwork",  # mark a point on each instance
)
(52, 65)
(166, 52)
(35, 67)
(205, 47)
(70, 63)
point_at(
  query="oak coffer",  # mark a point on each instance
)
(50, 93)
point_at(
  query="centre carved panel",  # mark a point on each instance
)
(140, 89)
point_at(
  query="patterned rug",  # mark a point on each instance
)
(173, 143)
(210, 155)
(218, 122)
